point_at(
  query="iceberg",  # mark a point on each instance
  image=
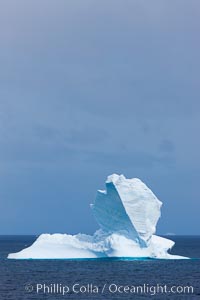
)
(127, 213)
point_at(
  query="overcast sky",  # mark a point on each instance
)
(90, 88)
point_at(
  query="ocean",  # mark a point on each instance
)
(100, 279)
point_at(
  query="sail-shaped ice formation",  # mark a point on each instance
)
(128, 205)
(127, 212)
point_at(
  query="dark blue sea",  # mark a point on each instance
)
(100, 279)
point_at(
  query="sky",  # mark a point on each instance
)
(90, 88)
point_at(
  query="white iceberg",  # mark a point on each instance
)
(127, 212)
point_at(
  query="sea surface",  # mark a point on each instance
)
(100, 279)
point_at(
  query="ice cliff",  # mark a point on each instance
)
(127, 213)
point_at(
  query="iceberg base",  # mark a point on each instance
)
(100, 245)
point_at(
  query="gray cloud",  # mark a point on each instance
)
(87, 89)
